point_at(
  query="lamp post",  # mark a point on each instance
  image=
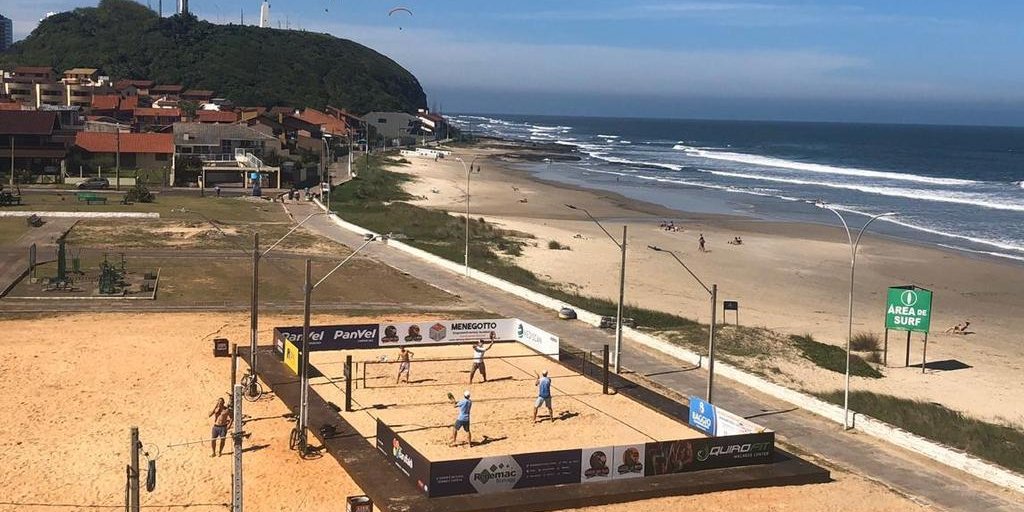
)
(854, 243)
(622, 284)
(713, 292)
(468, 172)
(307, 289)
(254, 307)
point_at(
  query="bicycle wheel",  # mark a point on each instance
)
(253, 390)
(294, 440)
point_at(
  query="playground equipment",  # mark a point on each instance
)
(112, 280)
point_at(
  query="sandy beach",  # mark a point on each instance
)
(790, 277)
(74, 385)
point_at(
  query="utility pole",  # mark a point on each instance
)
(133, 478)
(711, 342)
(236, 480)
(304, 359)
(254, 309)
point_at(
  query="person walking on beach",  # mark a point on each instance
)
(462, 420)
(700, 243)
(221, 421)
(478, 359)
(543, 396)
(403, 364)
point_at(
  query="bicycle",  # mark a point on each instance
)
(252, 390)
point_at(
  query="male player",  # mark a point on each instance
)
(462, 420)
(478, 359)
(403, 364)
(543, 396)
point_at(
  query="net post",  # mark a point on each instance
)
(604, 379)
(348, 383)
(234, 364)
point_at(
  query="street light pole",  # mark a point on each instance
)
(468, 172)
(854, 243)
(622, 285)
(713, 292)
(304, 356)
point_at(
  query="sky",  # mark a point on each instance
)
(910, 61)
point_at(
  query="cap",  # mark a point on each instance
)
(544, 373)
(465, 393)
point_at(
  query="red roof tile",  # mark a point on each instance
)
(216, 116)
(106, 142)
(32, 70)
(26, 122)
(109, 102)
(157, 112)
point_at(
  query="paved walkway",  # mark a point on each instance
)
(14, 258)
(901, 470)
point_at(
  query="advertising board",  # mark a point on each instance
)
(502, 473)
(404, 457)
(702, 416)
(439, 332)
(291, 356)
(329, 337)
(669, 457)
(537, 339)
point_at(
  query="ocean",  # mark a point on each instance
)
(958, 187)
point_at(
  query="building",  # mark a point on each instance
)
(265, 14)
(138, 150)
(6, 33)
(151, 119)
(112, 105)
(182, 6)
(216, 116)
(35, 140)
(330, 125)
(223, 153)
(433, 126)
(170, 91)
(81, 76)
(393, 128)
(197, 95)
(133, 87)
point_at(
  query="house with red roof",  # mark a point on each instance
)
(216, 116)
(138, 150)
(147, 119)
(40, 142)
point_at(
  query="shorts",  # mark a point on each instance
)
(463, 424)
(542, 400)
(404, 367)
(219, 431)
(479, 366)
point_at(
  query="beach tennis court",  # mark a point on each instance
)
(421, 412)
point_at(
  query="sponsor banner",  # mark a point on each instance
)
(537, 339)
(413, 465)
(702, 416)
(729, 424)
(437, 332)
(668, 457)
(331, 337)
(291, 356)
(628, 461)
(503, 473)
(597, 464)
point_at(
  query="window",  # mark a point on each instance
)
(381, 120)
(161, 157)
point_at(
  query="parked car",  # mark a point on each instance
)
(608, 322)
(567, 314)
(94, 184)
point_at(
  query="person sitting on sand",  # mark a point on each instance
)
(736, 241)
(959, 328)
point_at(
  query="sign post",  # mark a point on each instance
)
(909, 308)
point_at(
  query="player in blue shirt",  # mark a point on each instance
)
(462, 420)
(543, 396)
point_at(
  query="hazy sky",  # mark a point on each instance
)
(903, 61)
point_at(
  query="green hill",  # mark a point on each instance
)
(249, 65)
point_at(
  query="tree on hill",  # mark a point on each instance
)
(250, 65)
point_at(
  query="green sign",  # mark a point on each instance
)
(908, 308)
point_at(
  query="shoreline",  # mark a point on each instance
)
(790, 277)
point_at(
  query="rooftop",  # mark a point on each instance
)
(106, 142)
(27, 122)
(109, 102)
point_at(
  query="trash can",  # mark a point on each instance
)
(220, 347)
(359, 504)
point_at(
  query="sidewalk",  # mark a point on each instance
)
(905, 472)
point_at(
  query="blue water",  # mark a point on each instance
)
(956, 186)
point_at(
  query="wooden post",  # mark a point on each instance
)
(348, 383)
(906, 363)
(924, 355)
(605, 377)
(234, 364)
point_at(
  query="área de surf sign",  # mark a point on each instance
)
(908, 308)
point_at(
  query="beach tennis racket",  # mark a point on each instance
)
(451, 397)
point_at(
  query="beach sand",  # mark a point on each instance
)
(73, 386)
(502, 407)
(789, 277)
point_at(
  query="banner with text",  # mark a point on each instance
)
(668, 457)
(331, 337)
(403, 456)
(537, 339)
(503, 473)
(438, 332)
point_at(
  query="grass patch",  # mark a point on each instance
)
(996, 443)
(865, 342)
(556, 246)
(831, 357)
(223, 209)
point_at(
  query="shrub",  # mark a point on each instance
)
(139, 194)
(554, 245)
(865, 342)
(831, 357)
